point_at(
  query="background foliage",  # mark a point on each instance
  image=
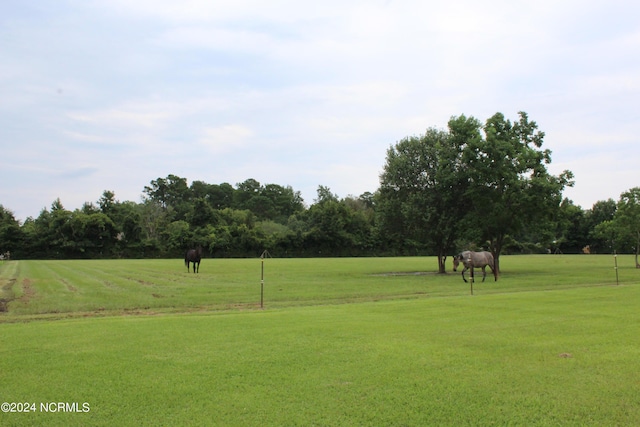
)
(471, 186)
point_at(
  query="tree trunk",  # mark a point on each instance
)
(442, 258)
(496, 248)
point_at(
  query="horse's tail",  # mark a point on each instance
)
(186, 258)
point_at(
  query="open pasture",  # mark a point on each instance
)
(553, 342)
(71, 288)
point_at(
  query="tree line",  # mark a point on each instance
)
(473, 185)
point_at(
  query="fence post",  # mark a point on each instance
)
(265, 254)
(473, 278)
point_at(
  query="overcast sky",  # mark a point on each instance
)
(110, 94)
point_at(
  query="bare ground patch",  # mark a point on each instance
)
(27, 290)
(7, 294)
(7, 290)
(142, 282)
(69, 286)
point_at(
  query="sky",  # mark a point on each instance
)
(102, 95)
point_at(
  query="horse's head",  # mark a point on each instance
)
(456, 261)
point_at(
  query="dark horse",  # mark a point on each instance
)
(470, 260)
(194, 256)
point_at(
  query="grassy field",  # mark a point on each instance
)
(341, 342)
(72, 288)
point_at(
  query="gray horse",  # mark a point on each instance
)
(471, 260)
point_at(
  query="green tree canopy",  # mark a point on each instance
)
(11, 235)
(420, 201)
(626, 221)
(509, 185)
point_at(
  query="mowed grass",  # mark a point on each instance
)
(56, 288)
(553, 342)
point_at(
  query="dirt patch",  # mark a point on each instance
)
(27, 290)
(144, 282)
(7, 287)
(27, 293)
(7, 292)
(69, 286)
(565, 355)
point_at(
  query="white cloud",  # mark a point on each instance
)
(599, 176)
(302, 94)
(225, 138)
(150, 116)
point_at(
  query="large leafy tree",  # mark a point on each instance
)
(217, 196)
(419, 201)
(126, 220)
(570, 233)
(92, 234)
(626, 221)
(172, 194)
(602, 212)
(60, 228)
(327, 224)
(510, 186)
(285, 201)
(628, 218)
(268, 202)
(11, 235)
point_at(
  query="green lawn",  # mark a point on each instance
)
(59, 288)
(341, 342)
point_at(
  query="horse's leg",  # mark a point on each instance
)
(484, 272)
(463, 270)
(492, 271)
(198, 269)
